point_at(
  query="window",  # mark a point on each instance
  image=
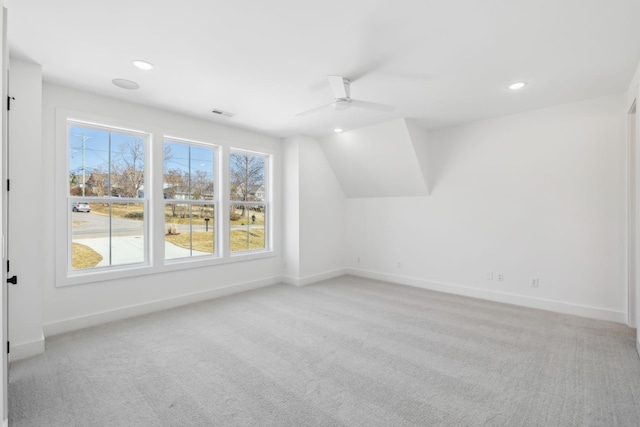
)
(190, 199)
(131, 202)
(248, 201)
(106, 198)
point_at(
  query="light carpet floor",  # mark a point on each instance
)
(344, 352)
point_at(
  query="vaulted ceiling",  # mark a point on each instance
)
(439, 63)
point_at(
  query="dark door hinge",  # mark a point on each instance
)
(8, 185)
(9, 99)
(8, 347)
(13, 280)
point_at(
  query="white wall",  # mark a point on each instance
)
(26, 213)
(322, 215)
(66, 308)
(355, 157)
(291, 193)
(535, 194)
(315, 214)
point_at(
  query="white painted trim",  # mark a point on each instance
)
(307, 280)
(525, 301)
(27, 349)
(5, 423)
(632, 207)
(80, 322)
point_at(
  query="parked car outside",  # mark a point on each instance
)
(80, 207)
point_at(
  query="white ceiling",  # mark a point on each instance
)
(439, 62)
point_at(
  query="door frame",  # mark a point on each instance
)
(4, 349)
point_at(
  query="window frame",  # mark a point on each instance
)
(267, 203)
(154, 214)
(217, 166)
(65, 274)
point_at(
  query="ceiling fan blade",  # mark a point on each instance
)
(371, 105)
(338, 86)
(315, 110)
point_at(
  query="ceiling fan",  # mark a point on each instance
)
(342, 101)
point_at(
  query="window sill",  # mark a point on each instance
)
(103, 274)
(124, 272)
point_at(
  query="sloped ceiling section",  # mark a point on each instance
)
(384, 160)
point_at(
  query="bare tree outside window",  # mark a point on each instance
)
(128, 168)
(246, 177)
(174, 181)
(98, 182)
(247, 195)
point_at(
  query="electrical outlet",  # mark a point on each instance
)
(358, 259)
(500, 277)
(490, 275)
(534, 282)
(399, 264)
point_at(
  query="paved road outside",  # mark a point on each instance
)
(89, 225)
(127, 242)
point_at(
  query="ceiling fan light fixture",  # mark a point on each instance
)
(341, 104)
(342, 99)
(517, 85)
(337, 130)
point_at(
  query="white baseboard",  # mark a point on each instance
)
(307, 280)
(26, 349)
(93, 319)
(525, 301)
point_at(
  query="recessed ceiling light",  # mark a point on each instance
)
(517, 85)
(337, 130)
(143, 65)
(125, 84)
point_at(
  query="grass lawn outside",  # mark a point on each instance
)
(84, 257)
(120, 210)
(246, 219)
(243, 240)
(179, 214)
(202, 241)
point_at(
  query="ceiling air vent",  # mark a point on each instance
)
(222, 113)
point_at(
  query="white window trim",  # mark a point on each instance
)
(144, 200)
(64, 274)
(155, 203)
